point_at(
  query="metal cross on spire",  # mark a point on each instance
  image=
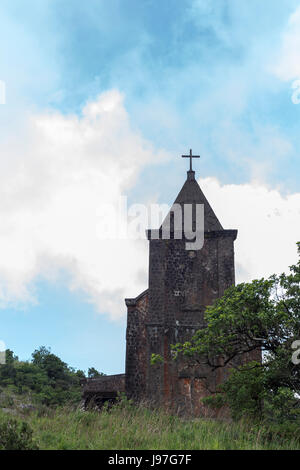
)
(191, 156)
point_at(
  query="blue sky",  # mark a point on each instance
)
(216, 76)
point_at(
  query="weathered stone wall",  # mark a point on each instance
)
(113, 383)
(136, 347)
(102, 389)
(181, 284)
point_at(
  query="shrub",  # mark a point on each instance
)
(280, 432)
(15, 435)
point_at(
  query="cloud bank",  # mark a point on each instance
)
(61, 168)
(268, 225)
(53, 178)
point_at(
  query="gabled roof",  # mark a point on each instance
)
(191, 193)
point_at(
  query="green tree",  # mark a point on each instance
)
(47, 379)
(15, 435)
(93, 373)
(263, 315)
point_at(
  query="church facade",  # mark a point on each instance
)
(182, 283)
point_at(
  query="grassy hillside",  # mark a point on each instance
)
(39, 409)
(126, 427)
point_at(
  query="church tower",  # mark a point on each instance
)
(182, 282)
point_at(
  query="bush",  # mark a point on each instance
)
(280, 432)
(15, 435)
(6, 399)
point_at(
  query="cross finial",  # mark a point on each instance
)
(191, 156)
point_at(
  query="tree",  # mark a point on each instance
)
(93, 373)
(47, 379)
(15, 435)
(263, 315)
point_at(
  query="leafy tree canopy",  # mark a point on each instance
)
(94, 373)
(47, 379)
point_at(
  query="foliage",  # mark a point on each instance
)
(47, 379)
(128, 427)
(156, 359)
(94, 373)
(16, 435)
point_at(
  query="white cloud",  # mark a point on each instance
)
(53, 178)
(259, 152)
(59, 170)
(287, 67)
(268, 225)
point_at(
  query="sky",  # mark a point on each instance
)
(99, 100)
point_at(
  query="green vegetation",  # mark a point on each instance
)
(45, 380)
(39, 398)
(127, 427)
(15, 435)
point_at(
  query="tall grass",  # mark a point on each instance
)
(126, 427)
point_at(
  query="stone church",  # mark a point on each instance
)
(181, 284)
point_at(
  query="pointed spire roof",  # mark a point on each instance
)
(191, 193)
